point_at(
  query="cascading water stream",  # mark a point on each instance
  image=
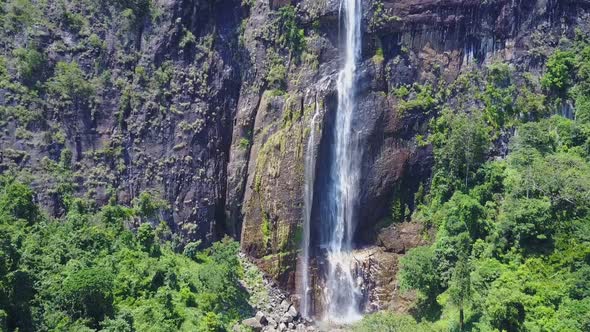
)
(308, 203)
(343, 293)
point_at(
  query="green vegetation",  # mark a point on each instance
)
(291, 36)
(72, 64)
(385, 322)
(559, 71)
(29, 65)
(568, 77)
(69, 83)
(187, 39)
(499, 95)
(87, 272)
(277, 75)
(378, 58)
(381, 17)
(244, 143)
(266, 229)
(512, 249)
(512, 245)
(288, 46)
(416, 98)
(461, 144)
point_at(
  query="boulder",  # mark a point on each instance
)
(292, 312)
(261, 318)
(285, 305)
(272, 322)
(398, 238)
(253, 323)
(286, 318)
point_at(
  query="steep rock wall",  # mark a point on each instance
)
(429, 43)
(207, 104)
(156, 114)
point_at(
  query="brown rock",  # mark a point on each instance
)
(253, 323)
(398, 238)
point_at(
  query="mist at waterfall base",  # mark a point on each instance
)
(342, 292)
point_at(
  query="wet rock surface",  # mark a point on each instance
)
(375, 270)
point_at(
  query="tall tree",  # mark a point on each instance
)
(460, 287)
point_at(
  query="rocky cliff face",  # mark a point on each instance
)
(424, 45)
(156, 114)
(207, 104)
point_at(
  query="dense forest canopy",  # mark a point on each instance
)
(512, 247)
(88, 272)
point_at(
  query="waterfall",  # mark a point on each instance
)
(342, 291)
(308, 204)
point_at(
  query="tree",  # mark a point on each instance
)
(87, 293)
(504, 305)
(121, 323)
(525, 222)
(461, 143)
(397, 213)
(146, 236)
(418, 271)
(388, 322)
(460, 287)
(499, 95)
(191, 249)
(17, 202)
(535, 136)
(463, 221)
(86, 272)
(148, 205)
(558, 77)
(211, 322)
(114, 216)
(463, 213)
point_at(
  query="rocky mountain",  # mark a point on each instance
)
(201, 109)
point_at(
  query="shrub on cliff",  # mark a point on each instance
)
(291, 36)
(558, 77)
(70, 84)
(30, 64)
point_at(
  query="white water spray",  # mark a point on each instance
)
(308, 204)
(343, 293)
